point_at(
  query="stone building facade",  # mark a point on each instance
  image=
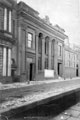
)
(40, 45)
(34, 44)
(72, 62)
(7, 38)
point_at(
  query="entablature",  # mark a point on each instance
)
(42, 25)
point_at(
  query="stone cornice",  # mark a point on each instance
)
(43, 26)
(40, 22)
(7, 37)
(27, 8)
(9, 3)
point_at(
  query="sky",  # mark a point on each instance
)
(65, 13)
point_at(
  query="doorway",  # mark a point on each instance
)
(77, 71)
(31, 72)
(30, 69)
(60, 69)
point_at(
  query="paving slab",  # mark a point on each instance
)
(77, 108)
(72, 118)
(61, 117)
(72, 113)
(78, 104)
(79, 116)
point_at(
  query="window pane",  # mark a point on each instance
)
(29, 44)
(14, 28)
(40, 46)
(5, 19)
(9, 21)
(59, 50)
(46, 63)
(4, 61)
(39, 63)
(1, 60)
(9, 62)
(29, 36)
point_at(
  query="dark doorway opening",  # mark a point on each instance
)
(77, 71)
(60, 69)
(31, 72)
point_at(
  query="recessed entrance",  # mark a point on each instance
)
(59, 69)
(30, 69)
(77, 71)
(31, 72)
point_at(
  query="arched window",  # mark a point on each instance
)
(46, 45)
(40, 43)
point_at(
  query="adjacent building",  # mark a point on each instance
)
(72, 62)
(7, 38)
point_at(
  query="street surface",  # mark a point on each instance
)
(19, 96)
(66, 108)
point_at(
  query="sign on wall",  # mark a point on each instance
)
(48, 73)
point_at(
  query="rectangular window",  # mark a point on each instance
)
(7, 20)
(4, 61)
(30, 40)
(13, 28)
(59, 50)
(39, 63)
(9, 62)
(40, 46)
(52, 63)
(46, 47)
(52, 49)
(1, 60)
(46, 63)
(67, 59)
(1, 18)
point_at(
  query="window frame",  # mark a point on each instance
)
(30, 40)
(7, 20)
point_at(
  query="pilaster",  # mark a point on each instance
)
(37, 53)
(55, 57)
(43, 54)
(19, 51)
(49, 61)
(23, 53)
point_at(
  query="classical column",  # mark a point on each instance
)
(23, 51)
(19, 51)
(55, 58)
(4, 61)
(43, 54)
(49, 61)
(9, 62)
(37, 53)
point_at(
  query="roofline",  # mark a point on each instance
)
(24, 4)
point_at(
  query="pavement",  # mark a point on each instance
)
(73, 113)
(17, 95)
